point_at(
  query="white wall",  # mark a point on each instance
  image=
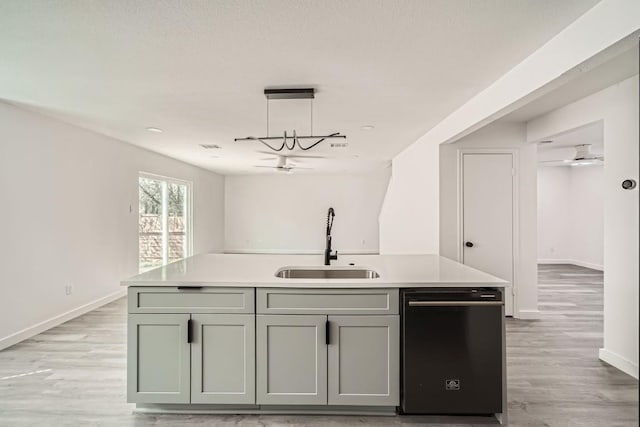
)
(571, 215)
(65, 219)
(618, 106)
(496, 135)
(287, 213)
(409, 219)
(554, 195)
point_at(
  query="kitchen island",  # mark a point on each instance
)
(221, 333)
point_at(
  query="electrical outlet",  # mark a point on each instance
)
(68, 290)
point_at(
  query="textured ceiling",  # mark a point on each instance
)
(197, 69)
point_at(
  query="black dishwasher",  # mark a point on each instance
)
(451, 351)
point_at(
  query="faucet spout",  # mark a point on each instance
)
(327, 250)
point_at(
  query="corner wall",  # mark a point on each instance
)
(69, 217)
(618, 106)
(409, 220)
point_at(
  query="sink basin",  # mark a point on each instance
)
(325, 273)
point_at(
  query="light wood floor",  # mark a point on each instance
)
(74, 375)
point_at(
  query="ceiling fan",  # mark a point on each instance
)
(283, 164)
(583, 156)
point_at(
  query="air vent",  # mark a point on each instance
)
(210, 146)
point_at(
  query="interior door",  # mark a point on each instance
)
(487, 216)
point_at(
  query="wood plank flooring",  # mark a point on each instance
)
(74, 375)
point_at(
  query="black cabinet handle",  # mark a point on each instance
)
(182, 288)
(468, 244)
(189, 330)
(327, 330)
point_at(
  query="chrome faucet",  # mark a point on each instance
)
(327, 250)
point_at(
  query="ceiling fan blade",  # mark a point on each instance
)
(268, 167)
(295, 156)
(557, 161)
(292, 156)
(270, 153)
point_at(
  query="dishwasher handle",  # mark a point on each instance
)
(453, 303)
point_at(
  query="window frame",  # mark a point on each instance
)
(188, 248)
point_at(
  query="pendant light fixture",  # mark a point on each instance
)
(293, 140)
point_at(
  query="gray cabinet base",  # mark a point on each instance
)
(265, 409)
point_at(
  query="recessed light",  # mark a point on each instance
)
(367, 127)
(156, 130)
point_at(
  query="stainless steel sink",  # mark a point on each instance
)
(325, 273)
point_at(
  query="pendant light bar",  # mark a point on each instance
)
(307, 93)
(290, 142)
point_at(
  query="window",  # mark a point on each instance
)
(164, 222)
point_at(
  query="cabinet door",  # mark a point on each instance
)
(364, 354)
(223, 358)
(158, 358)
(291, 360)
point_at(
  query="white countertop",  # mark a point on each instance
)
(235, 270)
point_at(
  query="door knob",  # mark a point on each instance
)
(468, 244)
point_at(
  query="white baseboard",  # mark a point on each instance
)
(38, 328)
(618, 362)
(588, 265)
(527, 314)
(572, 261)
(554, 261)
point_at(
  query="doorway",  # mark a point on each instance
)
(571, 198)
(571, 192)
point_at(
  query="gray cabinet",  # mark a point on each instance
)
(306, 347)
(158, 358)
(356, 364)
(223, 358)
(363, 360)
(215, 364)
(291, 360)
